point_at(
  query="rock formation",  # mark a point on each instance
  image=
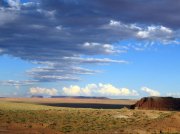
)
(37, 96)
(80, 97)
(158, 103)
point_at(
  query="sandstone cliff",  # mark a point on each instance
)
(158, 103)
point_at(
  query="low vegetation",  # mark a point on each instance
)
(48, 119)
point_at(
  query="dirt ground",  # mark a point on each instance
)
(71, 100)
(26, 116)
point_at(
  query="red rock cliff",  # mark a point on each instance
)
(158, 103)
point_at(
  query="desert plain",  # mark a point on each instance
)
(83, 116)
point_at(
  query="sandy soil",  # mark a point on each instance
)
(47, 120)
(76, 103)
(72, 100)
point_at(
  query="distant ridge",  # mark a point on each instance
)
(37, 96)
(80, 97)
(158, 103)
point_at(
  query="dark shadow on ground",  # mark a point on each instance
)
(88, 105)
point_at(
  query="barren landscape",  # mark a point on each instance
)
(89, 67)
(36, 116)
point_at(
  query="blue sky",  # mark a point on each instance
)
(66, 48)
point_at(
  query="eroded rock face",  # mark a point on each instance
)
(158, 103)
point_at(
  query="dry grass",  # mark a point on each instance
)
(27, 117)
(70, 100)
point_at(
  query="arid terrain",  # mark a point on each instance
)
(82, 116)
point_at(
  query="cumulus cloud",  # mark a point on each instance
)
(43, 91)
(114, 23)
(157, 33)
(150, 92)
(173, 94)
(102, 48)
(98, 90)
(118, 25)
(152, 33)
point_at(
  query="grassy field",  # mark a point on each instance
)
(32, 117)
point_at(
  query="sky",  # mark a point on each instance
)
(107, 48)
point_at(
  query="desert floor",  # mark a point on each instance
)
(82, 116)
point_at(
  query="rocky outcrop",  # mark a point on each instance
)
(79, 97)
(158, 103)
(36, 96)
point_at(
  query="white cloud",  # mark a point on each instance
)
(14, 3)
(156, 33)
(93, 60)
(42, 91)
(29, 4)
(98, 90)
(143, 34)
(51, 78)
(150, 92)
(63, 41)
(102, 48)
(173, 94)
(59, 27)
(72, 90)
(17, 83)
(123, 27)
(114, 23)
(67, 69)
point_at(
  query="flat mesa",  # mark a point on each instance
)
(158, 103)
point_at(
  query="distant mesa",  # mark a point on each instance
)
(36, 96)
(80, 97)
(158, 103)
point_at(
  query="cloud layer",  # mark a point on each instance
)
(61, 36)
(17, 84)
(42, 91)
(98, 90)
(150, 92)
